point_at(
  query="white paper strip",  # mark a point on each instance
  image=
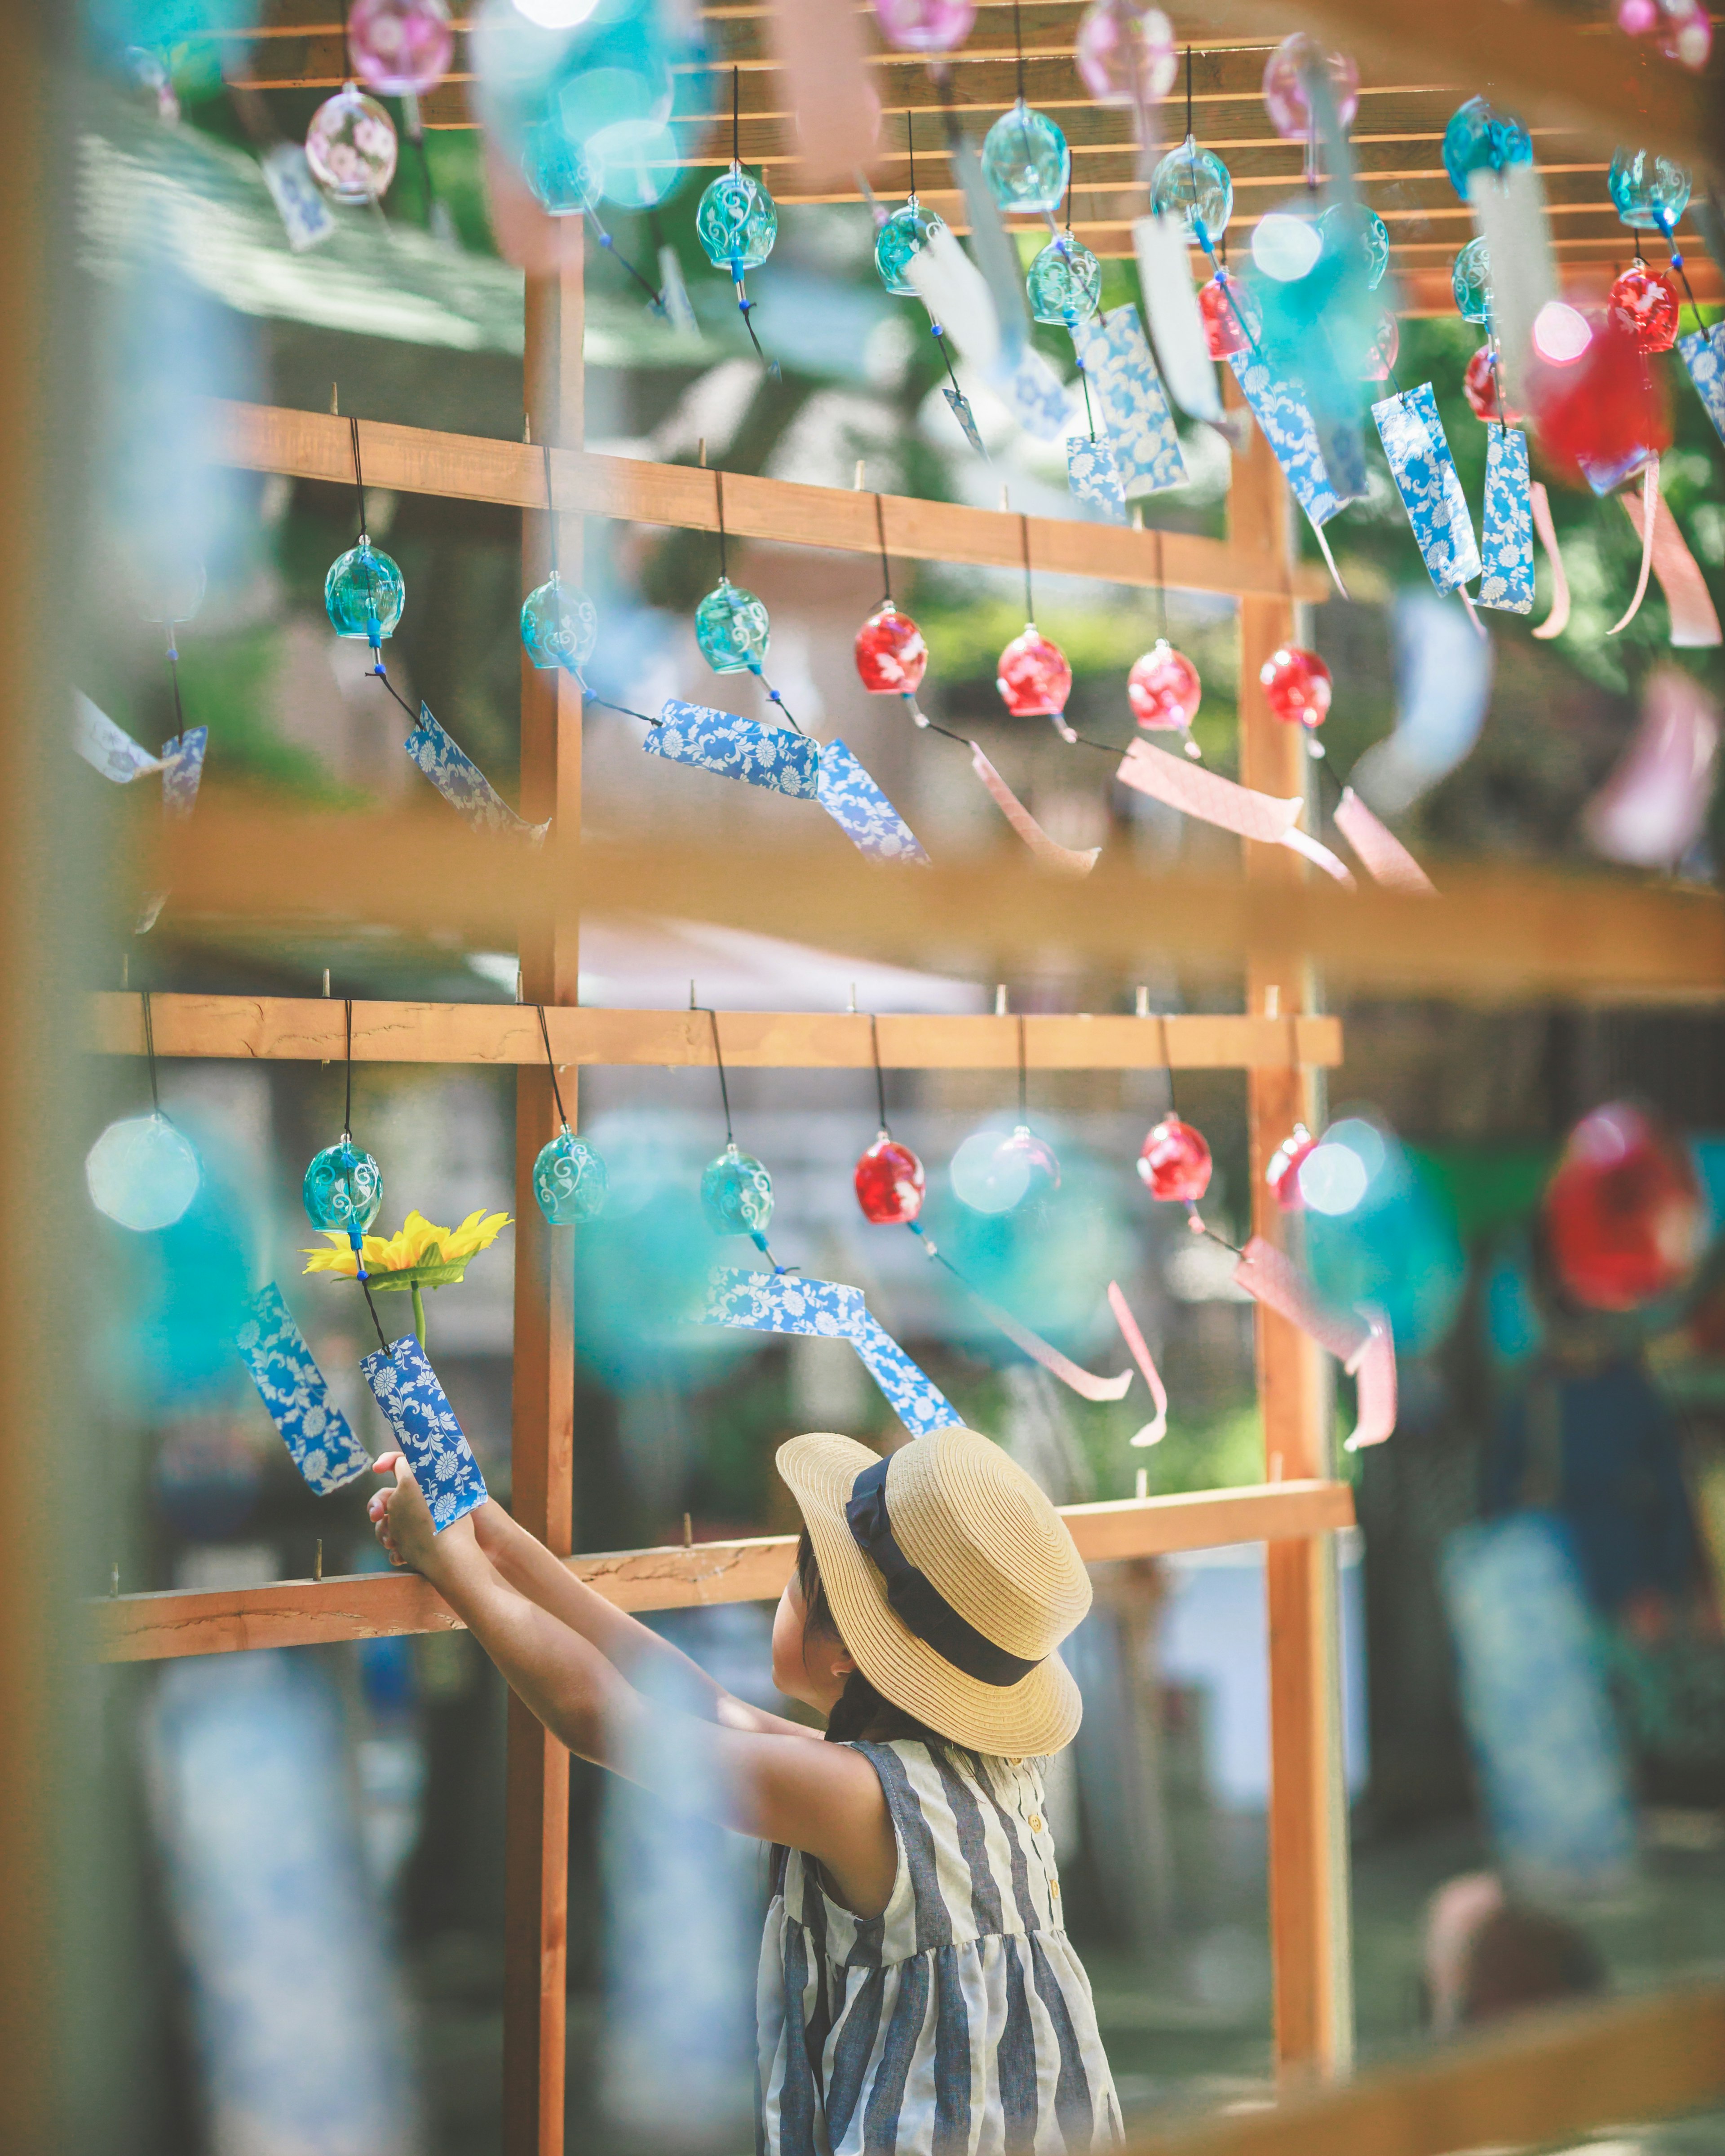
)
(1183, 356)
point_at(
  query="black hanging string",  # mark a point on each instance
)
(557, 1090)
(719, 1057)
(654, 292)
(1024, 536)
(910, 145)
(1161, 588)
(1188, 93)
(358, 475)
(880, 533)
(1018, 39)
(719, 502)
(366, 1288)
(551, 507)
(347, 1099)
(1670, 241)
(605, 704)
(174, 676)
(736, 116)
(150, 1055)
(879, 1076)
(1024, 1078)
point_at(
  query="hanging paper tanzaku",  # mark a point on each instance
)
(1703, 353)
(462, 784)
(1430, 486)
(293, 1389)
(417, 1409)
(1507, 544)
(1094, 475)
(785, 1302)
(1287, 426)
(1114, 353)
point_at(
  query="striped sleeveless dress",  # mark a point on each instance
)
(959, 2021)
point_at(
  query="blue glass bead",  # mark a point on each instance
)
(1064, 284)
(559, 178)
(736, 222)
(363, 594)
(1471, 282)
(906, 233)
(343, 1188)
(732, 627)
(569, 1180)
(737, 1194)
(142, 1173)
(1479, 140)
(1652, 193)
(1025, 162)
(1361, 233)
(559, 626)
(1192, 185)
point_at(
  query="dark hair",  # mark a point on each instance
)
(1523, 1957)
(860, 1710)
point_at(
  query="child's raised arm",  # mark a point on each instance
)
(769, 1782)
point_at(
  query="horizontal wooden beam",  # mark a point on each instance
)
(1493, 933)
(475, 468)
(282, 1028)
(1535, 2080)
(373, 1605)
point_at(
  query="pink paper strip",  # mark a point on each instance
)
(1051, 1359)
(1196, 792)
(1646, 524)
(1152, 1432)
(1695, 621)
(1063, 859)
(1300, 842)
(1382, 855)
(1362, 1343)
(1557, 620)
(1374, 1373)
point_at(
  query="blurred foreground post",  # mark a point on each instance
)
(1308, 1840)
(536, 1861)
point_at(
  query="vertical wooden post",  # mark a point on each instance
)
(536, 1861)
(1308, 1851)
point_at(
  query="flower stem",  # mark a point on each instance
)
(418, 1314)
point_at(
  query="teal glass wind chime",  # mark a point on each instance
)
(364, 591)
(736, 1189)
(569, 1184)
(737, 221)
(560, 624)
(902, 235)
(343, 1186)
(732, 625)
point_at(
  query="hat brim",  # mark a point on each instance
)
(1037, 1716)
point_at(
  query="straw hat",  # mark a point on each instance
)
(952, 1579)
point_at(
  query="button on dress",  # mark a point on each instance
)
(959, 2021)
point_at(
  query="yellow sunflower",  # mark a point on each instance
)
(420, 1254)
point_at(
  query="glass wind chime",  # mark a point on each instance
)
(736, 1189)
(364, 591)
(731, 626)
(1163, 688)
(569, 1184)
(343, 1186)
(902, 235)
(1032, 674)
(560, 625)
(737, 220)
(402, 48)
(1025, 162)
(143, 1172)
(890, 655)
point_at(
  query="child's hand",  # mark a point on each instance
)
(401, 1518)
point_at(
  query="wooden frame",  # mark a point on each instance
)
(1278, 1042)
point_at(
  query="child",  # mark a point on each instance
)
(917, 1990)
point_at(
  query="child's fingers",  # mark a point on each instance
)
(385, 1462)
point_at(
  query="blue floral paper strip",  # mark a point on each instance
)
(1425, 471)
(181, 768)
(917, 1402)
(1703, 352)
(1341, 444)
(461, 782)
(1094, 476)
(773, 756)
(965, 417)
(1506, 542)
(861, 810)
(293, 1389)
(1116, 354)
(784, 1302)
(1033, 393)
(417, 1408)
(106, 748)
(1286, 425)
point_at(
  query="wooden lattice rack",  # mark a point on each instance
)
(1579, 95)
